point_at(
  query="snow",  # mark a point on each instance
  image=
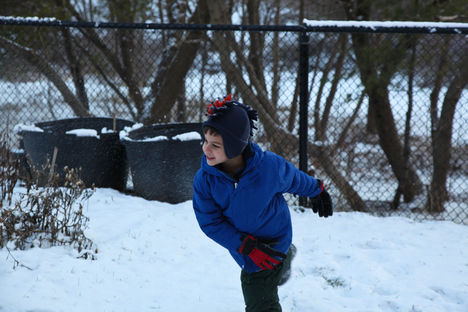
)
(188, 136)
(390, 24)
(123, 134)
(22, 127)
(27, 19)
(80, 132)
(83, 132)
(152, 139)
(106, 131)
(152, 256)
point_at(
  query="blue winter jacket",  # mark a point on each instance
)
(227, 209)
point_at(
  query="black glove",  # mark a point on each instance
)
(322, 203)
(260, 253)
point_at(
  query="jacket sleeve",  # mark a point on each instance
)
(295, 181)
(210, 218)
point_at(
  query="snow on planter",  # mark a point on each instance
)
(163, 159)
(84, 132)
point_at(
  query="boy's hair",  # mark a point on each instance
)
(234, 121)
(210, 130)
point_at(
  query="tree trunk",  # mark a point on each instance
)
(256, 42)
(275, 58)
(323, 81)
(442, 139)
(75, 68)
(321, 130)
(173, 68)
(406, 141)
(341, 138)
(390, 143)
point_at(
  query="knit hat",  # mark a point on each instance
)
(234, 121)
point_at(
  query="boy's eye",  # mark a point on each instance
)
(214, 145)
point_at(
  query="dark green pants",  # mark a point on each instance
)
(260, 289)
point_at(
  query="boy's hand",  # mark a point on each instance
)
(322, 203)
(260, 253)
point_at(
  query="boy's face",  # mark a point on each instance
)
(213, 148)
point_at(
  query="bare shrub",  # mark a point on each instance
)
(43, 216)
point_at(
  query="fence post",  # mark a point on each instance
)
(303, 103)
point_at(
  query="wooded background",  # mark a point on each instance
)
(387, 111)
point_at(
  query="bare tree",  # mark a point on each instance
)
(120, 56)
(377, 64)
(36, 60)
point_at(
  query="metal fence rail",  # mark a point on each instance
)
(332, 97)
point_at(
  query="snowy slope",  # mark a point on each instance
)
(153, 257)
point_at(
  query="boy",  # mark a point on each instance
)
(239, 204)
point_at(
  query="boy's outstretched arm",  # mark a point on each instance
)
(297, 182)
(212, 222)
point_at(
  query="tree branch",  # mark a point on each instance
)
(44, 67)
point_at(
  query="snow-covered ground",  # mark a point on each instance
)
(153, 257)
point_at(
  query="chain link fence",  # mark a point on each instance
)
(362, 90)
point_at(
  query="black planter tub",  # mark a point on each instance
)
(163, 160)
(86, 143)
